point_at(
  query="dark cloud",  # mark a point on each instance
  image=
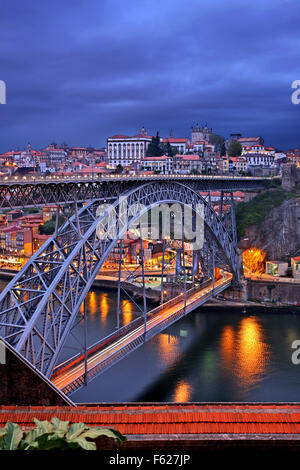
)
(80, 71)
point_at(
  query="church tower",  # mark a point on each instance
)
(196, 133)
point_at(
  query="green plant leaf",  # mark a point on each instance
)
(84, 444)
(120, 437)
(29, 440)
(60, 427)
(93, 433)
(50, 442)
(13, 436)
(44, 427)
(54, 435)
(75, 430)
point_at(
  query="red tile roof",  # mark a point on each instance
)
(191, 157)
(163, 157)
(173, 140)
(141, 136)
(148, 419)
(38, 236)
(119, 136)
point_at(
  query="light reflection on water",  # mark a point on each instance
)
(182, 392)
(206, 356)
(252, 352)
(244, 351)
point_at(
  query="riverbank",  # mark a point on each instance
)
(106, 282)
(248, 306)
(109, 283)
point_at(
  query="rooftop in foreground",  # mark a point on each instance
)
(185, 421)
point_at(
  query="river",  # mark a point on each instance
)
(207, 356)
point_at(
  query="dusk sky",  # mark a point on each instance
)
(79, 71)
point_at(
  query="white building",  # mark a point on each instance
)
(179, 144)
(258, 149)
(260, 159)
(201, 146)
(186, 164)
(162, 164)
(239, 164)
(57, 155)
(125, 150)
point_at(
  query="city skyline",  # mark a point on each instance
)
(112, 68)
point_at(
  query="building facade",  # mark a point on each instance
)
(251, 141)
(295, 263)
(162, 164)
(127, 151)
(180, 144)
(199, 133)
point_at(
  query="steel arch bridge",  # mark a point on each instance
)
(38, 307)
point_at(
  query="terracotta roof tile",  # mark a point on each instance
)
(169, 419)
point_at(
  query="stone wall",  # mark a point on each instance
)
(290, 176)
(274, 291)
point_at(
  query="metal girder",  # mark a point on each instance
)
(39, 305)
(41, 191)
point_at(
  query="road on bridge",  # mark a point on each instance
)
(67, 375)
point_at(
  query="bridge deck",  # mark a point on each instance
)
(33, 191)
(32, 179)
(70, 376)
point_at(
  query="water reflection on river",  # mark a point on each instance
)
(206, 356)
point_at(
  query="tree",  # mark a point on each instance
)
(119, 168)
(49, 226)
(223, 149)
(216, 140)
(155, 148)
(33, 210)
(169, 149)
(234, 149)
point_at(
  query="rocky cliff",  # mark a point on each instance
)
(278, 234)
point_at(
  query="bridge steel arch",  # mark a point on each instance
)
(40, 304)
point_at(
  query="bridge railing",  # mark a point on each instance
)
(96, 346)
(123, 351)
(117, 355)
(115, 177)
(172, 318)
(123, 330)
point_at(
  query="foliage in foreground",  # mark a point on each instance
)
(54, 435)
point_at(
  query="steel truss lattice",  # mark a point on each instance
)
(40, 304)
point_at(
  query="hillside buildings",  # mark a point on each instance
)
(127, 150)
(181, 155)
